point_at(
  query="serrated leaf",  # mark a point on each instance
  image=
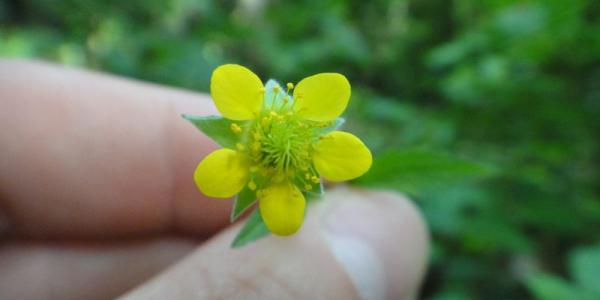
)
(253, 229)
(545, 286)
(217, 128)
(412, 170)
(243, 201)
(584, 266)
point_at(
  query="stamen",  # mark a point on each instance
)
(235, 128)
(315, 179)
(265, 121)
(252, 185)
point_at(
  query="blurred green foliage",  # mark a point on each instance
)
(437, 86)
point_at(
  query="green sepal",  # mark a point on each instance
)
(313, 196)
(335, 125)
(218, 129)
(253, 230)
(245, 199)
(316, 190)
(272, 97)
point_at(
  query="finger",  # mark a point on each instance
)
(85, 154)
(353, 245)
(92, 271)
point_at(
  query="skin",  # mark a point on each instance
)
(96, 198)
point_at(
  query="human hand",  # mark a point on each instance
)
(97, 196)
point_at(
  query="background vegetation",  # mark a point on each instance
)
(486, 112)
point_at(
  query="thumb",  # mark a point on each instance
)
(355, 244)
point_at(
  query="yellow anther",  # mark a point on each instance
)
(264, 121)
(308, 187)
(278, 178)
(276, 89)
(286, 99)
(256, 136)
(235, 128)
(290, 85)
(256, 147)
(272, 113)
(307, 176)
(315, 179)
(252, 185)
(240, 147)
(264, 172)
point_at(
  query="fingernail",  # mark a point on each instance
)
(365, 236)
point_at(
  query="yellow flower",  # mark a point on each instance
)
(283, 150)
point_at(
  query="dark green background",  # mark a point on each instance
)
(486, 112)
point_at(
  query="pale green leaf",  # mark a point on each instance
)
(545, 286)
(253, 229)
(335, 125)
(584, 265)
(217, 128)
(272, 98)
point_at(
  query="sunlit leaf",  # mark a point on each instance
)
(584, 265)
(412, 170)
(546, 286)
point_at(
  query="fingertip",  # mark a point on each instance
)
(353, 244)
(380, 239)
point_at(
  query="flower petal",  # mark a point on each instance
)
(221, 174)
(322, 97)
(341, 156)
(236, 91)
(282, 208)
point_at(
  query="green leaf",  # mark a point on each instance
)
(243, 201)
(413, 170)
(217, 128)
(254, 229)
(545, 286)
(584, 266)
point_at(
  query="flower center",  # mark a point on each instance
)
(281, 143)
